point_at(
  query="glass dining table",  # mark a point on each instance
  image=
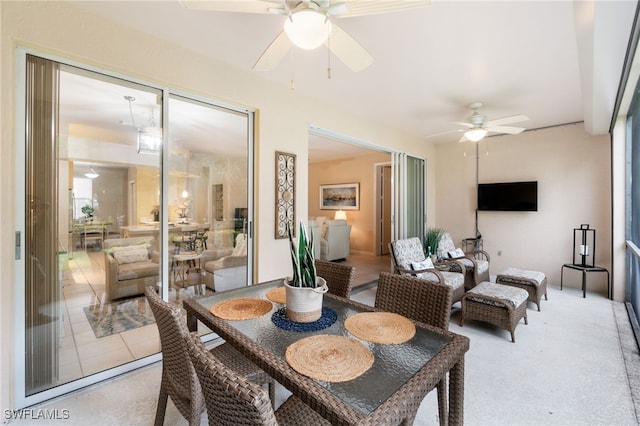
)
(389, 392)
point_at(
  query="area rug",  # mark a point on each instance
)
(115, 317)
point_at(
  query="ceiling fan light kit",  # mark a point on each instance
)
(307, 29)
(475, 135)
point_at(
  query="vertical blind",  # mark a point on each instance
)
(409, 196)
(42, 293)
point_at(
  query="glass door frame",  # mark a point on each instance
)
(21, 400)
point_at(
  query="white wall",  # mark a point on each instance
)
(574, 187)
(61, 30)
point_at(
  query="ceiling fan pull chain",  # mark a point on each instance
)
(329, 56)
(293, 69)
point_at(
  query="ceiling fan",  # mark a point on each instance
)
(309, 24)
(477, 126)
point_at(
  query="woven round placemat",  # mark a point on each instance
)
(241, 308)
(277, 295)
(380, 327)
(329, 358)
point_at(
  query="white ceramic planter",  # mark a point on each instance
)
(304, 304)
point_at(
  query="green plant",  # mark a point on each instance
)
(88, 210)
(433, 239)
(302, 259)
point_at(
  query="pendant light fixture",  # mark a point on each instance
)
(91, 174)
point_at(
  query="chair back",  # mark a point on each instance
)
(415, 298)
(230, 398)
(446, 244)
(339, 277)
(404, 252)
(172, 328)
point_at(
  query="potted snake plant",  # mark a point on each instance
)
(305, 289)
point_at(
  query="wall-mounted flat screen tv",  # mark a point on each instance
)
(508, 196)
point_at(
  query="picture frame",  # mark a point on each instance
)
(285, 194)
(343, 196)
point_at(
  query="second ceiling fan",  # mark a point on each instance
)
(309, 24)
(477, 126)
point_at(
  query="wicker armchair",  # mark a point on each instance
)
(407, 254)
(476, 262)
(339, 277)
(418, 300)
(179, 380)
(233, 400)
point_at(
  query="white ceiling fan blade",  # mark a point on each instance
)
(506, 129)
(273, 54)
(508, 120)
(369, 7)
(239, 6)
(348, 50)
(463, 124)
(444, 133)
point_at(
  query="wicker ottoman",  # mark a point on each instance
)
(497, 304)
(533, 281)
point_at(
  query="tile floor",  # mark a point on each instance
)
(81, 352)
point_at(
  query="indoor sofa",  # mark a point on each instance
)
(130, 265)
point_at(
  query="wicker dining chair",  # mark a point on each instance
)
(233, 400)
(179, 380)
(420, 300)
(339, 277)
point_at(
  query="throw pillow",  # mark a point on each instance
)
(419, 266)
(131, 254)
(456, 253)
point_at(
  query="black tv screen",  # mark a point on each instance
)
(508, 196)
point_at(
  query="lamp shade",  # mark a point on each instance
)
(475, 134)
(340, 215)
(307, 29)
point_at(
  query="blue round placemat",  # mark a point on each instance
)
(327, 319)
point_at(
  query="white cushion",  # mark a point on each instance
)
(131, 254)
(456, 253)
(241, 246)
(419, 266)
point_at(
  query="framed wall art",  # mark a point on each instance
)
(285, 194)
(344, 196)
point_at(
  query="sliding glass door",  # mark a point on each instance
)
(209, 239)
(409, 196)
(126, 186)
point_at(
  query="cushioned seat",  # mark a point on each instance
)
(409, 259)
(231, 268)
(334, 239)
(497, 304)
(141, 269)
(534, 282)
(476, 262)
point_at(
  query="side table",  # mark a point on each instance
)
(181, 267)
(584, 270)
